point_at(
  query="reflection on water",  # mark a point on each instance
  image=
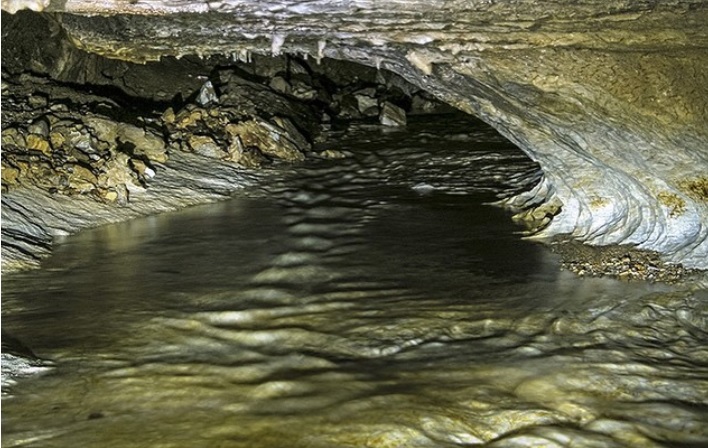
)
(373, 301)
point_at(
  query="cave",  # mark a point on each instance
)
(608, 99)
(564, 254)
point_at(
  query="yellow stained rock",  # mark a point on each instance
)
(38, 143)
(268, 138)
(110, 196)
(12, 136)
(81, 172)
(10, 175)
(56, 139)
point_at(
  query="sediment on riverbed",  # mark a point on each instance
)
(622, 262)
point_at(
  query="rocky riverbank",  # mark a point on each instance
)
(80, 156)
(89, 140)
(622, 262)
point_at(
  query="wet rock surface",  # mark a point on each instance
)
(74, 143)
(372, 301)
(103, 145)
(608, 96)
(82, 143)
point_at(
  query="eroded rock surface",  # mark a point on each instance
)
(609, 97)
(79, 155)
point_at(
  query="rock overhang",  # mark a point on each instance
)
(609, 97)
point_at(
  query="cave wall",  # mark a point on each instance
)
(609, 97)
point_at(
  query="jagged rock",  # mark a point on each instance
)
(236, 131)
(304, 91)
(39, 127)
(538, 217)
(188, 117)
(9, 177)
(142, 169)
(332, 154)
(74, 152)
(279, 84)
(103, 128)
(292, 133)
(346, 105)
(268, 138)
(169, 116)
(392, 115)
(242, 99)
(145, 142)
(367, 102)
(207, 95)
(205, 146)
(248, 157)
(422, 103)
(12, 136)
(37, 101)
(81, 179)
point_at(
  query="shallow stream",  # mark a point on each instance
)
(371, 301)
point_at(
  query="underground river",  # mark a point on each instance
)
(375, 300)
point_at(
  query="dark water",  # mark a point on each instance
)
(370, 301)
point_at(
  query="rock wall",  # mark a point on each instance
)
(609, 97)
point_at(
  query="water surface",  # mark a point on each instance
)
(370, 301)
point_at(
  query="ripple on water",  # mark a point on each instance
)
(339, 306)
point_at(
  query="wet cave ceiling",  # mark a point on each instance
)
(610, 98)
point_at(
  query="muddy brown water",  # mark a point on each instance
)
(370, 301)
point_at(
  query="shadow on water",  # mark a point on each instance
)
(369, 301)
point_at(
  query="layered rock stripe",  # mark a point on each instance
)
(609, 97)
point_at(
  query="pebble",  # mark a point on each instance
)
(617, 261)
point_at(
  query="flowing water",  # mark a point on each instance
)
(370, 301)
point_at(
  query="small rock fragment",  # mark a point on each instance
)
(392, 115)
(207, 94)
(38, 143)
(205, 145)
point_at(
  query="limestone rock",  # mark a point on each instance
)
(12, 136)
(9, 176)
(82, 179)
(102, 128)
(423, 103)
(37, 142)
(367, 102)
(141, 168)
(247, 157)
(205, 145)
(304, 91)
(279, 84)
(392, 115)
(145, 142)
(207, 95)
(347, 106)
(332, 154)
(609, 97)
(39, 127)
(268, 138)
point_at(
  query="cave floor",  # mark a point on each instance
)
(373, 300)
